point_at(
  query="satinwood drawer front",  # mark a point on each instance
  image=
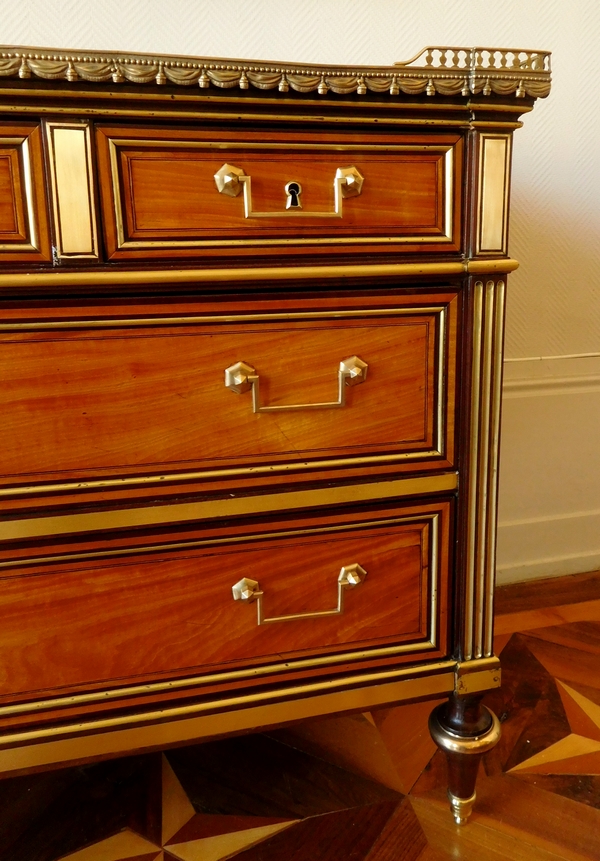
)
(357, 587)
(289, 384)
(175, 193)
(23, 220)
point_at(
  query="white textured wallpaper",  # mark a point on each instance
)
(552, 414)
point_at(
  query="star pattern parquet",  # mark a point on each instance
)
(360, 788)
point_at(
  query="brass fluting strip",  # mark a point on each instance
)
(469, 594)
(483, 457)
(12, 530)
(493, 470)
(203, 276)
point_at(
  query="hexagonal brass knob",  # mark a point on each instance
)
(246, 590)
(352, 575)
(353, 181)
(227, 179)
(354, 370)
(236, 377)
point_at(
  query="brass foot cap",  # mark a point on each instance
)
(461, 807)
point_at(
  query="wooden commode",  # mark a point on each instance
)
(251, 351)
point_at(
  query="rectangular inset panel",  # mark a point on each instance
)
(494, 182)
(69, 147)
(132, 396)
(172, 613)
(204, 192)
(23, 221)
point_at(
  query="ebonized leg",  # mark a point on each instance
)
(464, 730)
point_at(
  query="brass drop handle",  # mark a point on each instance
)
(242, 377)
(231, 181)
(249, 591)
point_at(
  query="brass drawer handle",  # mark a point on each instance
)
(242, 377)
(249, 591)
(231, 180)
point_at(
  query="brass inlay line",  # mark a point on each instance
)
(115, 144)
(101, 744)
(471, 542)
(483, 464)
(286, 147)
(177, 712)
(165, 478)
(14, 530)
(53, 279)
(488, 640)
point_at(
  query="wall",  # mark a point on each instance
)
(550, 493)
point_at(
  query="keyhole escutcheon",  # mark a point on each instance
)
(293, 191)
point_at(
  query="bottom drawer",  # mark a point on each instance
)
(350, 589)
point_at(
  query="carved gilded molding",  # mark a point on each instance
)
(436, 70)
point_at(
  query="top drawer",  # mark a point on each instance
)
(183, 193)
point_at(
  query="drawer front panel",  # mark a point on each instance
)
(201, 192)
(152, 395)
(23, 220)
(173, 612)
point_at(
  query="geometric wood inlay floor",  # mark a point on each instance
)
(361, 788)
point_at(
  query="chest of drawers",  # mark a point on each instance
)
(251, 346)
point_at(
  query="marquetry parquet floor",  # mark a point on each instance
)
(363, 788)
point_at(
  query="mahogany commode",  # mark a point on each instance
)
(251, 345)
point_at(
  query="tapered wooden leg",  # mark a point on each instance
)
(464, 730)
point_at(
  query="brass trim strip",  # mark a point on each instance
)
(108, 743)
(185, 545)
(54, 279)
(488, 267)
(71, 176)
(459, 122)
(19, 529)
(154, 322)
(222, 704)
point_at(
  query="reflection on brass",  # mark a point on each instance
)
(352, 181)
(435, 70)
(461, 807)
(22, 281)
(64, 524)
(32, 241)
(230, 180)
(494, 184)
(241, 377)
(102, 738)
(71, 175)
(249, 591)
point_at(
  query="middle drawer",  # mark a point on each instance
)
(169, 393)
